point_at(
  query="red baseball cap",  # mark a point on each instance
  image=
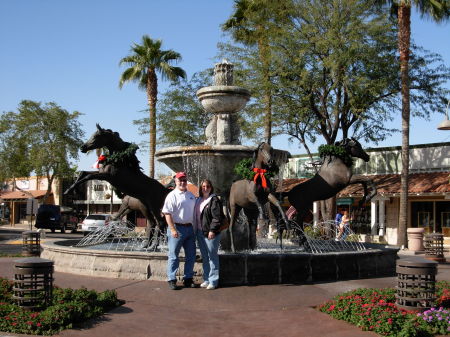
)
(180, 175)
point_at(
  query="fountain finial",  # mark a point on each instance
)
(223, 73)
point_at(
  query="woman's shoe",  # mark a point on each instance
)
(210, 287)
(204, 284)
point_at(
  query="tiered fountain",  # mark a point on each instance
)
(216, 158)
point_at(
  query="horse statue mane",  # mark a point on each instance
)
(125, 152)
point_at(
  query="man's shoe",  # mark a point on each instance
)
(189, 283)
(204, 284)
(173, 284)
(210, 287)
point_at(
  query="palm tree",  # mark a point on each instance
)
(438, 10)
(144, 62)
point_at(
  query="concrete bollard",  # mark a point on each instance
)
(415, 239)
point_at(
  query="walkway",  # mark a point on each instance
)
(151, 309)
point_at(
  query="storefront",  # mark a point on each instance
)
(15, 205)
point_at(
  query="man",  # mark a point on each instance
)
(178, 210)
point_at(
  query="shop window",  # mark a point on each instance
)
(99, 188)
(424, 219)
(422, 213)
(445, 219)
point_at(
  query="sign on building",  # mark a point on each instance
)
(32, 206)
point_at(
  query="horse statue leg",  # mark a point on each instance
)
(252, 221)
(123, 210)
(89, 176)
(364, 182)
(81, 175)
(274, 201)
(234, 213)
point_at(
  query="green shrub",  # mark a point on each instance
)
(68, 307)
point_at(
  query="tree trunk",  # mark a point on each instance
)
(264, 54)
(404, 34)
(152, 92)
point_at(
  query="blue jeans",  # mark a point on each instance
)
(210, 257)
(186, 239)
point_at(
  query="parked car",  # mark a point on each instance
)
(55, 217)
(93, 221)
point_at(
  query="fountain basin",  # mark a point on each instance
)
(235, 269)
(220, 99)
(214, 162)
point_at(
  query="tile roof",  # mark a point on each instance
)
(419, 183)
(21, 195)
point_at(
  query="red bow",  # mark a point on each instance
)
(260, 173)
(99, 160)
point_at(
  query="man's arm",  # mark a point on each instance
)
(171, 225)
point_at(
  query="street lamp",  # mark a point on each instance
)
(445, 124)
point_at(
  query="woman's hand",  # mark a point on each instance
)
(211, 235)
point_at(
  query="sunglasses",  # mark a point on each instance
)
(182, 180)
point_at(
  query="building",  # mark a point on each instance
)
(30, 191)
(429, 188)
(16, 200)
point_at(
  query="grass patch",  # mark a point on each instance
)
(68, 307)
(375, 310)
(11, 255)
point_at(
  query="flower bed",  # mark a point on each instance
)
(375, 310)
(68, 307)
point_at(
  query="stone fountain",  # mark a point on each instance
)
(216, 158)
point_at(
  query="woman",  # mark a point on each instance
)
(344, 226)
(207, 215)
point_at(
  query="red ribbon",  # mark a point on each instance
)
(260, 173)
(99, 160)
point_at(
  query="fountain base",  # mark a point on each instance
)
(235, 269)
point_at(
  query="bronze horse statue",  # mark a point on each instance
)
(122, 171)
(251, 196)
(334, 175)
(133, 204)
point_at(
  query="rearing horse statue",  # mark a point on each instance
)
(251, 195)
(334, 175)
(122, 171)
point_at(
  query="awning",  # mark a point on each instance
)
(22, 196)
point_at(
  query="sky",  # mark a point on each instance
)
(68, 52)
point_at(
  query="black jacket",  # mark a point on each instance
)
(211, 216)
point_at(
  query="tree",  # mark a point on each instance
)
(40, 138)
(438, 10)
(253, 24)
(145, 61)
(336, 72)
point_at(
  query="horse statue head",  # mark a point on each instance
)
(353, 148)
(101, 138)
(263, 156)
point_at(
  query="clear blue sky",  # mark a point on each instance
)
(68, 52)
